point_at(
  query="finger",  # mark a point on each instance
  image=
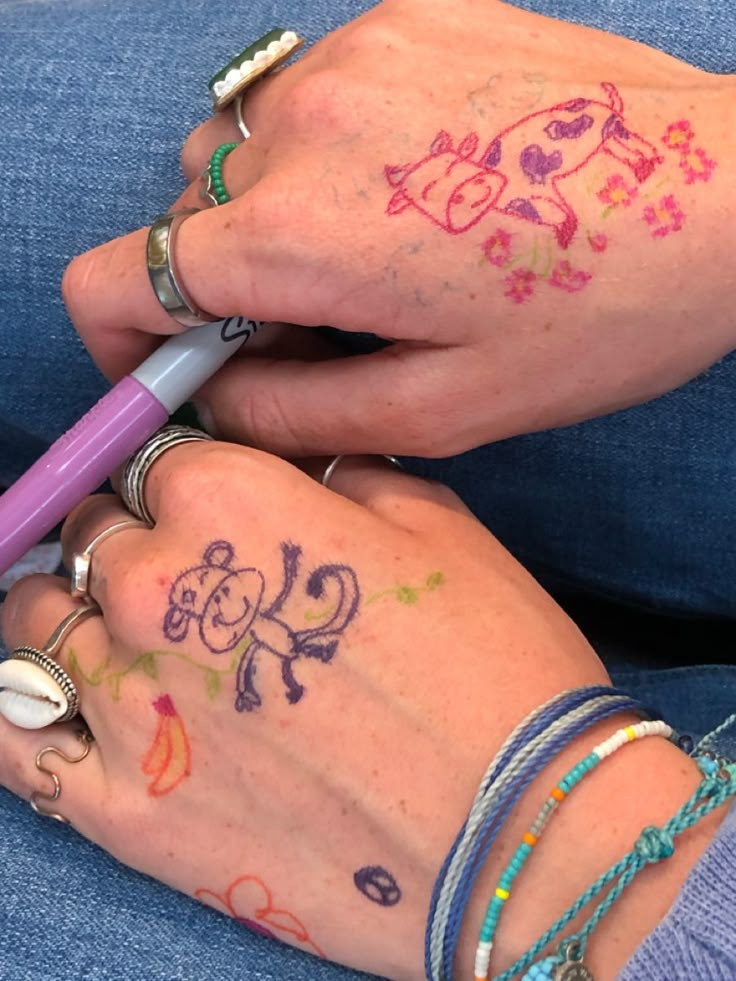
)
(379, 484)
(29, 758)
(205, 139)
(33, 609)
(391, 401)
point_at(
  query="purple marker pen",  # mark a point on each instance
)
(82, 459)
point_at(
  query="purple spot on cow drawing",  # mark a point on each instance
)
(558, 129)
(455, 186)
(524, 209)
(537, 165)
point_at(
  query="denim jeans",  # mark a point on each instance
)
(636, 506)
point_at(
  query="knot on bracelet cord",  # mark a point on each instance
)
(654, 844)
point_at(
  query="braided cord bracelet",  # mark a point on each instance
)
(652, 845)
(558, 794)
(530, 748)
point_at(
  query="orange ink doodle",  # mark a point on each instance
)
(169, 760)
(250, 893)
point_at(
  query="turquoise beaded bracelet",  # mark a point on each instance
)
(601, 752)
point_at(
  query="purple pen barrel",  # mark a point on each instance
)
(76, 465)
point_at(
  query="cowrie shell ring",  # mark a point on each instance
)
(35, 691)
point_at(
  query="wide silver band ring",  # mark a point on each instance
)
(165, 280)
(132, 489)
(36, 690)
(82, 561)
(334, 464)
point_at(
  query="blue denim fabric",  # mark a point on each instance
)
(635, 506)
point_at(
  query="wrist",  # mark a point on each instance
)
(642, 785)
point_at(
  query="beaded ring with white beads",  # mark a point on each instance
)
(266, 54)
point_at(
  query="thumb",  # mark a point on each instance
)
(401, 400)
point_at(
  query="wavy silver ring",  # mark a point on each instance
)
(86, 738)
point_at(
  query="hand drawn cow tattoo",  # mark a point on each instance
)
(226, 602)
(519, 172)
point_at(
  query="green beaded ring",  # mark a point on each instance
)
(215, 186)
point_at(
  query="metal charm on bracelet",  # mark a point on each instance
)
(35, 691)
(136, 469)
(162, 272)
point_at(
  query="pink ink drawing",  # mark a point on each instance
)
(497, 248)
(678, 135)
(616, 193)
(664, 217)
(519, 172)
(564, 277)
(697, 166)
(598, 242)
(520, 285)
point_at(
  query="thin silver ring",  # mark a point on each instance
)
(244, 131)
(334, 464)
(167, 285)
(82, 561)
(132, 489)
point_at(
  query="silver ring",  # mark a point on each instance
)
(334, 464)
(86, 740)
(82, 561)
(244, 131)
(165, 281)
(136, 469)
(29, 701)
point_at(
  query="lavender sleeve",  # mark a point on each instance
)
(697, 938)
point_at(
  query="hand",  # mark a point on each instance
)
(530, 210)
(281, 704)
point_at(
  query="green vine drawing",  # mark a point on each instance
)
(147, 663)
(408, 595)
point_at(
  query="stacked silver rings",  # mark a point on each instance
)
(137, 467)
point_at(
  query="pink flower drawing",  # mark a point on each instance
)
(564, 277)
(678, 136)
(665, 217)
(520, 285)
(697, 166)
(617, 193)
(497, 248)
(598, 242)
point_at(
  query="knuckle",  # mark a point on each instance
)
(371, 35)
(317, 101)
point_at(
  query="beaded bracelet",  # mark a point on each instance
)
(558, 794)
(652, 845)
(214, 189)
(529, 749)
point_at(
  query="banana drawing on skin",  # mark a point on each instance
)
(169, 759)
